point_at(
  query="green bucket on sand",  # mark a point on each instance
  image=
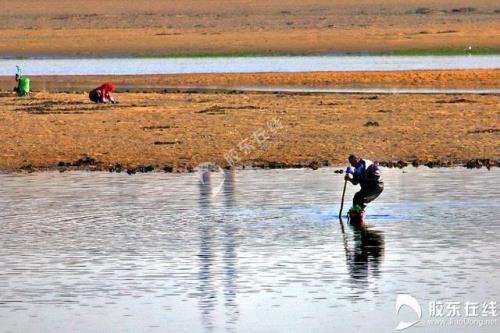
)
(24, 86)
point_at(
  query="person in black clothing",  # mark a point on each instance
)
(367, 175)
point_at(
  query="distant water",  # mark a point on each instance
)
(243, 251)
(137, 66)
(354, 90)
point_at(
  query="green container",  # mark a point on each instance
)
(24, 86)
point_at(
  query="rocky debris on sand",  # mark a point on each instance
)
(479, 163)
(424, 11)
(166, 142)
(91, 164)
(157, 127)
(456, 100)
(283, 165)
(28, 167)
(438, 164)
(470, 164)
(116, 168)
(486, 130)
(85, 161)
(462, 10)
(140, 169)
(315, 165)
(371, 123)
(393, 164)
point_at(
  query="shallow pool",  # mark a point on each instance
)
(243, 251)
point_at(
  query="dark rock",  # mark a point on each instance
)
(314, 165)
(340, 171)
(478, 163)
(276, 165)
(433, 164)
(85, 161)
(27, 167)
(455, 100)
(116, 168)
(383, 164)
(166, 142)
(371, 123)
(145, 169)
(486, 130)
(463, 10)
(168, 168)
(401, 164)
(423, 11)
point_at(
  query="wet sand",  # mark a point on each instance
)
(178, 131)
(159, 28)
(437, 79)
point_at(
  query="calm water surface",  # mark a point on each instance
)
(247, 251)
(140, 66)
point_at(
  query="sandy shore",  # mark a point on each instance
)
(189, 27)
(449, 79)
(179, 131)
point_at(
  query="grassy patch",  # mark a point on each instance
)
(224, 54)
(449, 51)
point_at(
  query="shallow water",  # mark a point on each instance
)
(244, 251)
(140, 66)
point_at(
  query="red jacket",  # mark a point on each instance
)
(105, 89)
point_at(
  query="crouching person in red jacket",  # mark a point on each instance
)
(102, 94)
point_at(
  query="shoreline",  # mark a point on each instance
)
(89, 164)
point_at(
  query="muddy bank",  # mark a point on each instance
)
(438, 79)
(91, 164)
(177, 132)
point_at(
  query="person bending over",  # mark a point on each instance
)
(102, 94)
(367, 175)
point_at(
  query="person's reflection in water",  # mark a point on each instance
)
(205, 187)
(230, 254)
(209, 186)
(364, 259)
(229, 188)
(208, 296)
